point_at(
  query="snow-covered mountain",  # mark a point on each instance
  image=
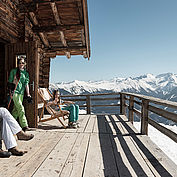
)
(162, 86)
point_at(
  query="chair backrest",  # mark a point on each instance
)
(45, 94)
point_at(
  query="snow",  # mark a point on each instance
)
(167, 145)
(149, 83)
(82, 111)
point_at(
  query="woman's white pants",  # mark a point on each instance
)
(10, 127)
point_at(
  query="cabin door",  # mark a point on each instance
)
(30, 51)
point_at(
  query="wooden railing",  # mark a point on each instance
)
(146, 105)
(131, 104)
(87, 99)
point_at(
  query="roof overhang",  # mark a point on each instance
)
(62, 25)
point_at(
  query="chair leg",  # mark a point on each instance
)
(42, 113)
(61, 122)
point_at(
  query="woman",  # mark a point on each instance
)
(70, 106)
(8, 129)
(20, 77)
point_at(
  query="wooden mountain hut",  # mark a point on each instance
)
(40, 30)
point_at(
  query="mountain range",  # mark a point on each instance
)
(162, 86)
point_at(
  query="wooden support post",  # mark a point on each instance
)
(131, 106)
(144, 117)
(88, 102)
(122, 103)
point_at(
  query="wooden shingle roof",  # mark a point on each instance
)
(62, 25)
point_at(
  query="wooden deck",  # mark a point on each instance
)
(104, 146)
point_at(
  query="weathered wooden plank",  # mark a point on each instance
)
(114, 126)
(127, 126)
(100, 158)
(75, 163)
(84, 123)
(56, 160)
(157, 160)
(90, 125)
(52, 125)
(128, 159)
(35, 161)
(100, 124)
(32, 146)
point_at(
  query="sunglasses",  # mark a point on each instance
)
(22, 63)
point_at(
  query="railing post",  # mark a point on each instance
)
(88, 102)
(131, 106)
(144, 117)
(122, 103)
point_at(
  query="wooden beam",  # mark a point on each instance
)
(131, 107)
(32, 6)
(53, 1)
(68, 55)
(161, 112)
(33, 18)
(83, 37)
(65, 49)
(122, 104)
(27, 7)
(50, 55)
(42, 36)
(57, 27)
(44, 39)
(85, 11)
(85, 54)
(79, 7)
(144, 117)
(55, 13)
(62, 36)
(58, 22)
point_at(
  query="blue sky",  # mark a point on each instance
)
(128, 38)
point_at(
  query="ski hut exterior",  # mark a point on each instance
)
(40, 30)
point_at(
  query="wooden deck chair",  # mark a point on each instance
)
(44, 97)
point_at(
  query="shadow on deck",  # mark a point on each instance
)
(104, 145)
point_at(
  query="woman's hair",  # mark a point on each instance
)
(18, 70)
(54, 93)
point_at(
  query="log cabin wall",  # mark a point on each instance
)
(2, 71)
(9, 28)
(9, 32)
(44, 71)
